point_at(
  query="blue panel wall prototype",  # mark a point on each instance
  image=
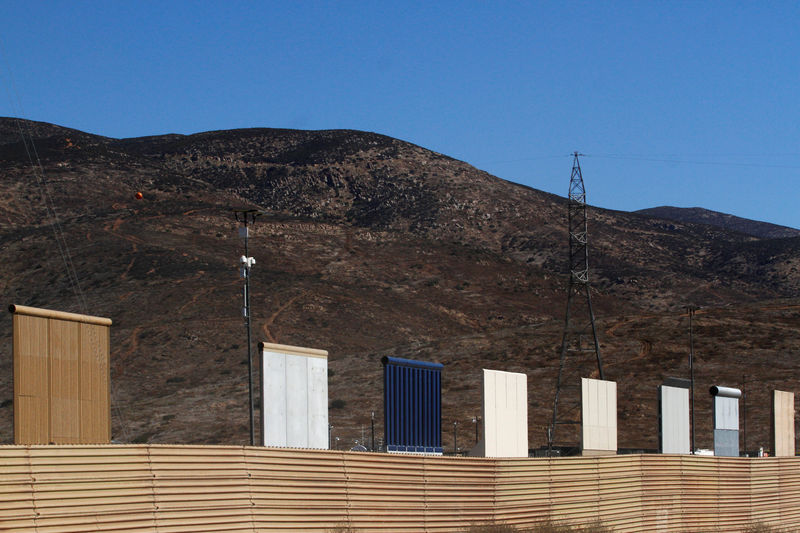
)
(412, 394)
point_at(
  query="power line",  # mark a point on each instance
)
(665, 159)
(50, 208)
(524, 159)
(686, 158)
(41, 181)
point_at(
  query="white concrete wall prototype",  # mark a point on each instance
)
(505, 414)
(783, 424)
(598, 417)
(675, 437)
(294, 389)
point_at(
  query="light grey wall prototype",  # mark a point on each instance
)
(675, 437)
(294, 389)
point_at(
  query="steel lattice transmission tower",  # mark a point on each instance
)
(580, 333)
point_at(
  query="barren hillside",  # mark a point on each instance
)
(370, 246)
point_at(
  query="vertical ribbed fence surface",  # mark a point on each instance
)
(61, 377)
(141, 488)
(412, 394)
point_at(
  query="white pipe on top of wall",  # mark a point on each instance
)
(725, 392)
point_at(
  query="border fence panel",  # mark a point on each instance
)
(145, 488)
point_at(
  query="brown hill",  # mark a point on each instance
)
(371, 246)
(698, 215)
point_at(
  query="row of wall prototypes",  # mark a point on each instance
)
(675, 432)
(295, 397)
(504, 410)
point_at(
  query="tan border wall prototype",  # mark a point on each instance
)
(783, 424)
(58, 315)
(61, 377)
(148, 488)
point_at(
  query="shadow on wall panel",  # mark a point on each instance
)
(294, 391)
(598, 417)
(61, 377)
(412, 393)
(726, 420)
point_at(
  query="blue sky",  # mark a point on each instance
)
(674, 103)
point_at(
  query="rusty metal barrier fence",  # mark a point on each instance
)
(144, 488)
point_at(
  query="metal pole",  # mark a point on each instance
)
(476, 420)
(247, 216)
(455, 437)
(691, 309)
(372, 431)
(744, 419)
(249, 341)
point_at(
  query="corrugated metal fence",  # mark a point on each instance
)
(137, 488)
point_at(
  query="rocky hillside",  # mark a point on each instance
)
(698, 215)
(369, 246)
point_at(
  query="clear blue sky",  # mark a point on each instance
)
(684, 103)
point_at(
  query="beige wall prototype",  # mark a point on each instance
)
(61, 377)
(598, 417)
(783, 424)
(505, 414)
